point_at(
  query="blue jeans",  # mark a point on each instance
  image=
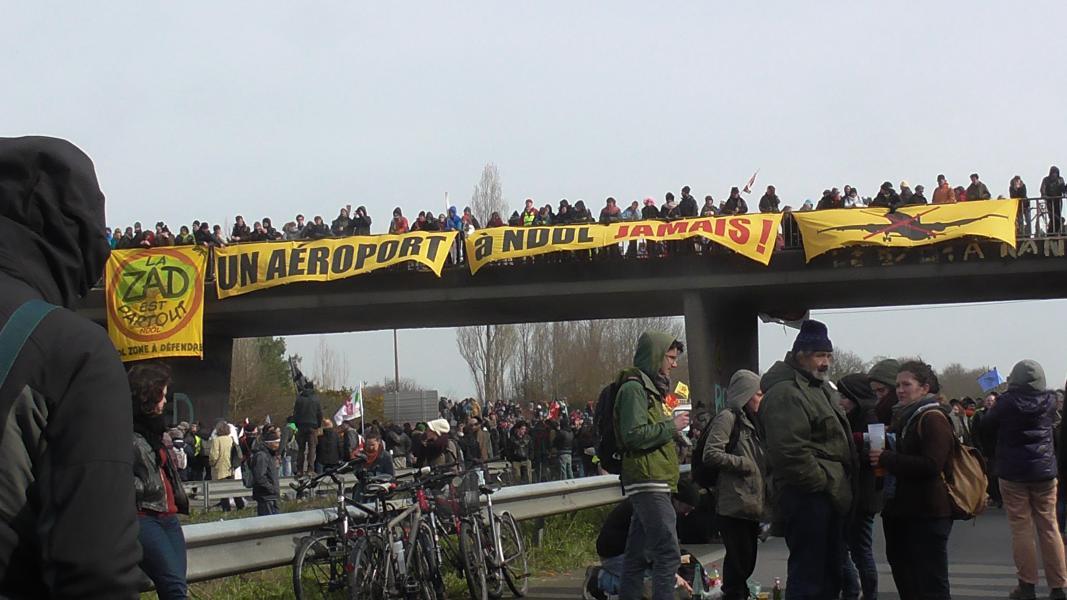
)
(565, 470)
(652, 538)
(814, 533)
(163, 559)
(859, 537)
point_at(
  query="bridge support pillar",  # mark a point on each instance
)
(720, 339)
(206, 382)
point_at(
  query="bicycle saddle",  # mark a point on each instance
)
(489, 488)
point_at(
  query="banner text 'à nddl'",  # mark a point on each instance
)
(752, 236)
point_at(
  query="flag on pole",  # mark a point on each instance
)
(751, 182)
(352, 408)
(990, 380)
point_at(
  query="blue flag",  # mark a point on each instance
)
(990, 380)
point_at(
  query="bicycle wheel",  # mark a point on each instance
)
(425, 567)
(494, 574)
(367, 579)
(516, 570)
(319, 567)
(470, 549)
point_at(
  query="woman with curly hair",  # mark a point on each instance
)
(159, 492)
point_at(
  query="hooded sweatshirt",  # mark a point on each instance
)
(644, 426)
(63, 483)
(1022, 419)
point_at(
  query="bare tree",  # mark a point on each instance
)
(488, 352)
(329, 373)
(488, 195)
(846, 362)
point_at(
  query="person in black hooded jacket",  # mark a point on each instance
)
(859, 401)
(68, 525)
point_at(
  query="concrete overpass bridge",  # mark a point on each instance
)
(719, 295)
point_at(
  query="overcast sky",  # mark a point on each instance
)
(201, 110)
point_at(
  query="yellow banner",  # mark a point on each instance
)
(921, 225)
(155, 302)
(244, 268)
(749, 235)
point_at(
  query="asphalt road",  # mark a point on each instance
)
(980, 564)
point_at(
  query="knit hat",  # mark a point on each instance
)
(813, 337)
(272, 435)
(439, 426)
(1027, 375)
(885, 372)
(743, 385)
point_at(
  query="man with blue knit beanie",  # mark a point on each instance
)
(810, 460)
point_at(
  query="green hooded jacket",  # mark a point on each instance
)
(644, 424)
(808, 438)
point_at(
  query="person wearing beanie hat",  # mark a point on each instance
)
(859, 402)
(1023, 420)
(435, 447)
(264, 464)
(741, 499)
(905, 193)
(811, 456)
(882, 379)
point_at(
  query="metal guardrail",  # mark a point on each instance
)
(226, 548)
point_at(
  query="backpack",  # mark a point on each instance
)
(704, 474)
(607, 447)
(965, 479)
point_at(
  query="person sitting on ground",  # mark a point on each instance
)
(606, 579)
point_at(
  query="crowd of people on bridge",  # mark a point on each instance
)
(1046, 207)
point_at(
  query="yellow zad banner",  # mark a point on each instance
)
(249, 267)
(155, 302)
(749, 235)
(921, 225)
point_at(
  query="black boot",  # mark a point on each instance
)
(1025, 591)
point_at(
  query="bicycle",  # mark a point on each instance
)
(490, 549)
(321, 564)
(398, 557)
